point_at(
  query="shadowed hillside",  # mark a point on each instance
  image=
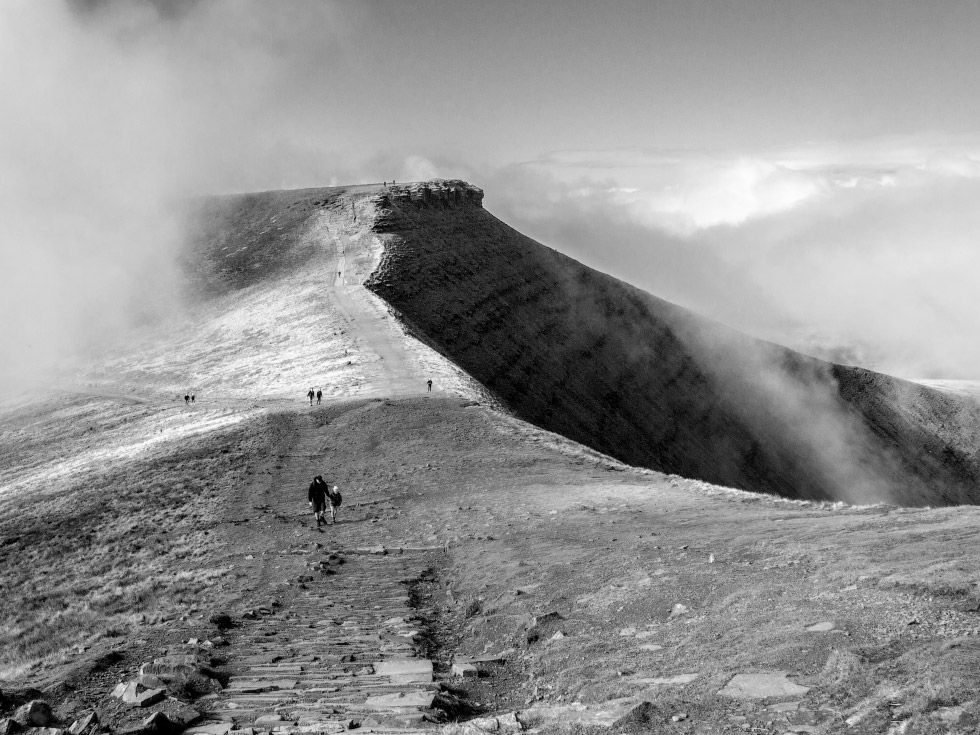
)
(583, 354)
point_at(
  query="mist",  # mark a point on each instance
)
(860, 255)
(115, 114)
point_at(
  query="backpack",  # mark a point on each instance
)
(336, 498)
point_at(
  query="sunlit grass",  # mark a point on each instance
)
(127, 546)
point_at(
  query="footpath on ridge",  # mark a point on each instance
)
(336, 645)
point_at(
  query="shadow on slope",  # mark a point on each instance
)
(581, 353)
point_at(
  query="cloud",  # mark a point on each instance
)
(862, 252)
(111, 114)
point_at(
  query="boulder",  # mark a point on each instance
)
(222, 621)
(150, 681)
(157, 723)
(84, 724)
(132, 692)
(465, 670)
(9, 726)
(36, 713)
(182, 715)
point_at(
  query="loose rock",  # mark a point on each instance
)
(35, 713)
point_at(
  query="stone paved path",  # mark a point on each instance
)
(343, 650)
(341, 647)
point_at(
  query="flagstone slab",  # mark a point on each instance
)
(761, 686)
(406, 670)
(418, 698)
(661, 680)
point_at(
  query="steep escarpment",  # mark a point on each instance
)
(581, 353)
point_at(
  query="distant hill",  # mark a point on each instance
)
(581, 353)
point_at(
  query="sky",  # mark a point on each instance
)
(804, 171)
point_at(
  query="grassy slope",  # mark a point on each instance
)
(534, 523)
(126, 538)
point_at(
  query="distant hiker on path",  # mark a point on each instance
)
(319, 395)
(429, 383)
(310, 396)
(318, 499)
(187, 398)
(192, 397)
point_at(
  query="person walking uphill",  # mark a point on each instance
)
(310, 395)
(318, 498)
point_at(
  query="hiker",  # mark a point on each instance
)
(192, 397)
(319, 395)
(310, 396)
(318, 499)
(334, 498)
(187, 398)
(429, 383)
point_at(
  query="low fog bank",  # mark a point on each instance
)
(113, 115)
(858, 256)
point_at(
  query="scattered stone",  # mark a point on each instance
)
(785, 706)
(182, 715)
(760, 686)
(83, 723)
(950, 715)
(269, 721)
(651, 647)
(215, 728)
(498, 725)
(158, 722)
(465, 670)
(825, 627)
(679, 610)
(35, 713)
(486, 658)
(250, 615)
(679, 717)
(222, 621)
(557, 636)
(549, 617)
(661, 680)
(133, 692)
(644, 717)
(628, 631)
(9, 726)
(150, 681)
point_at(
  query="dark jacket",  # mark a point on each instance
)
(318, 492)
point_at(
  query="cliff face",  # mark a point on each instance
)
(585, 355)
